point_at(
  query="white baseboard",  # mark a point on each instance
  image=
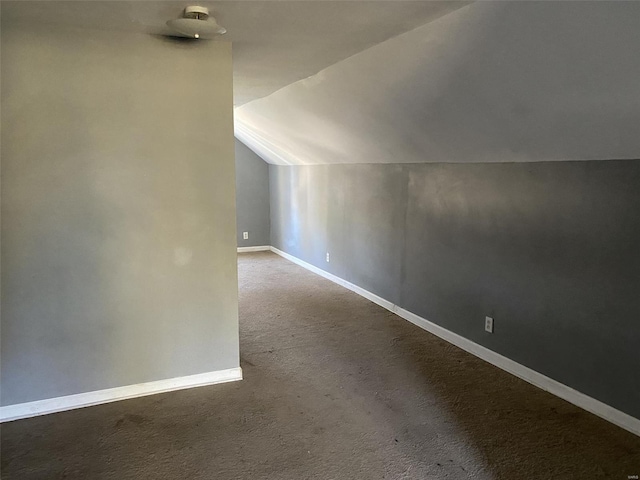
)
(558, 389)
(330, 276)
(261, 248)
(87, 399)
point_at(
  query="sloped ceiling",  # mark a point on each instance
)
(490, 82)
(275, 43)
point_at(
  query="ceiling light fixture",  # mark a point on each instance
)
(195, 23)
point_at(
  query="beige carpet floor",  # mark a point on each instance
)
(335, 388)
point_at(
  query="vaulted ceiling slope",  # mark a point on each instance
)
(490, 82)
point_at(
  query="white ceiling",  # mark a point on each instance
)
(275, 43)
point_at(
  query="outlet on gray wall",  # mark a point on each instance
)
(252, 198)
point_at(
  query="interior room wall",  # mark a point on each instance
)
(550, 250)
(118, 210)
(252, 197)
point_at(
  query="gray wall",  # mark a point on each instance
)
(252, 197)
(118, 211)
(551, 250)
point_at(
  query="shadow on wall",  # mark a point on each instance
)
(252, 198)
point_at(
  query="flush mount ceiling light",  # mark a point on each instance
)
(195, 23)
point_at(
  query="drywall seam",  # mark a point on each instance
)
(539, 380)
(260, 248)
(69, 402)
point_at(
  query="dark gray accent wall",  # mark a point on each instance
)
(551, 250)
(252, 197)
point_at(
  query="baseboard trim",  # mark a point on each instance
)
(554, 387)
(60, 404)
(351, 286)
(261, 248)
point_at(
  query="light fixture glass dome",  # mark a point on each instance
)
(190, 27)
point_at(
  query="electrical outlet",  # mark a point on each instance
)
(327, 256)
(245, 235)
(488, 324)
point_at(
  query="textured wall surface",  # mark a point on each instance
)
(490, 82)
(252, 197)
(551, 250)
(118, 211)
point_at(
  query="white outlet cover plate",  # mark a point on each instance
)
(488, 324)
